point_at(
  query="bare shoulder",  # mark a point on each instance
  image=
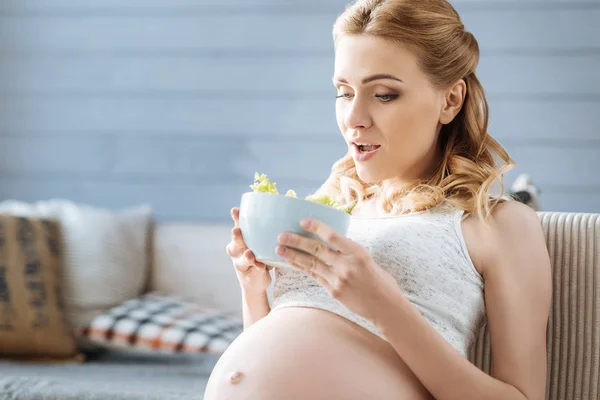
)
(513, 226)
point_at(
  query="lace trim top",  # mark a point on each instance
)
(426, 254)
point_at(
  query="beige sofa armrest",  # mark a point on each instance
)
(573, 241)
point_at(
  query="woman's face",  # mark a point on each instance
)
(386, 102)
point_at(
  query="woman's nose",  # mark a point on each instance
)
(357, 116)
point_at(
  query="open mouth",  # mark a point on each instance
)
(366, 148)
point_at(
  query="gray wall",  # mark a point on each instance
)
(178, 102)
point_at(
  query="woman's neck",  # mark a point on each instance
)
(366, 208)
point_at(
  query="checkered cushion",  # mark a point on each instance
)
(165, 323)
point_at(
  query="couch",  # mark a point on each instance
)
(190, 259)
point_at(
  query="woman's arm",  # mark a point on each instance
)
(255, 307)
(514, 260)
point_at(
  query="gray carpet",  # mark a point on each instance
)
(111, 375)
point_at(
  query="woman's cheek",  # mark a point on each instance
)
(340, 118)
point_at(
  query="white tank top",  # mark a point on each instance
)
(426, 253)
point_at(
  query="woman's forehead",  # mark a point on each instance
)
(357, 57)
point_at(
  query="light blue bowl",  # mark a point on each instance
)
(264, 216)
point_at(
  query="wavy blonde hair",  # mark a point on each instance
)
(472, 160)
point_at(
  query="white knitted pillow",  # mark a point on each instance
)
(105, 253)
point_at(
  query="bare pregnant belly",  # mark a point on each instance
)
(306, 353)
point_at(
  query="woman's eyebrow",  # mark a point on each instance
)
(371, 78)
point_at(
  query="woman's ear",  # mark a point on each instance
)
(453, 101)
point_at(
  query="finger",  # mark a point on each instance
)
(236, 236)
(261, 265)
(329, 236)
(311, 246)
(250, 257)
(235, 215)
(326, 284)
(234, 250)
(236, 246)
(251, 260)
(229, 249)
(307, 263)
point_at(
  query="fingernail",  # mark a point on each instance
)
(305, 223)
(280, 250)
(283, 238)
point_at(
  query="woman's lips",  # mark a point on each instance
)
(364, 152)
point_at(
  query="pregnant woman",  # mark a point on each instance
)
(431, 255)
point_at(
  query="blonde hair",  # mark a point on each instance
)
(472, 160)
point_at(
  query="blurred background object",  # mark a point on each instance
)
(177, 103)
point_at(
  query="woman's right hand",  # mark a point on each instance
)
(253, 275)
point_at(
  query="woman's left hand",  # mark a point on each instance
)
(349, 274)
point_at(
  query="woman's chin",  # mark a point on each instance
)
(367, 175)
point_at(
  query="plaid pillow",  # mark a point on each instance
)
(165, 323)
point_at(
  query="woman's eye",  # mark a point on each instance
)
(386, 97)
(382, 97)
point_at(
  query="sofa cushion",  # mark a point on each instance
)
(106, 259)
(189, 259)
(157, 322)
(32, 321)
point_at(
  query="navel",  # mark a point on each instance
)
(236, 377)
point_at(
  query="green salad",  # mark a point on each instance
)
(263, 185)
